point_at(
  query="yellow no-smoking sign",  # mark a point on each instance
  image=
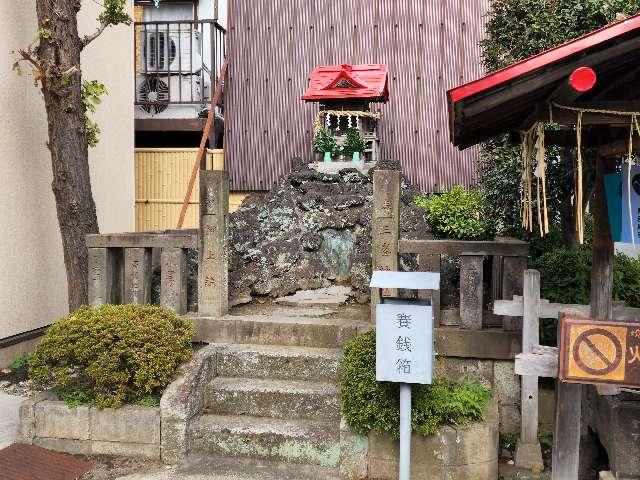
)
(599, 352)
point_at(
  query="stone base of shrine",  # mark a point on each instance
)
(616, 420)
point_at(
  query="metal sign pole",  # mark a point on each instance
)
(405, 431)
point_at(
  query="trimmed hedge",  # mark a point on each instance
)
(565, 276)
(371, 405)
(459, 214)
(112, 354)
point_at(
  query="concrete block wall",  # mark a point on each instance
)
(130, 430)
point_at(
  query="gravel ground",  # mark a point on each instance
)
(24, 388)
(110, 468)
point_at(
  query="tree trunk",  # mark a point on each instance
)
(67, 139)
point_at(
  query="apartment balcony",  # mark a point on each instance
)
(177, 64)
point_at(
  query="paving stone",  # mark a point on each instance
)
(126, 449)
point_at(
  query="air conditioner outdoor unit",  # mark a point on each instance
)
(172, 51)
(157, 92)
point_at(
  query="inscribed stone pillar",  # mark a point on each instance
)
(385, 227)
(512, 281)
(103, 276)
(471, 291)
(173, 279)
(137, 275)
(431, 263)
(213, 289)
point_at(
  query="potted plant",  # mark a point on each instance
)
(354, 144)
(325, 144)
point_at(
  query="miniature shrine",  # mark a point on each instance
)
(345, 127)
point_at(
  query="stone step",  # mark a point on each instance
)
(277, 330)
(276, 361)
(205, 467)
(292, 441)
(261, 397)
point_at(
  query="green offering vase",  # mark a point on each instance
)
(327, 157)
(356, 156)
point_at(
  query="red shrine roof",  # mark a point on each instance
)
(335, 82)
(503, 100)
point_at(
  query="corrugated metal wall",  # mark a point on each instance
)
(429, 46)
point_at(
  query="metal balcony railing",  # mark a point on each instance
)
(176, 62)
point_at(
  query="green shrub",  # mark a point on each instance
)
(324, 142)
(626, 279)
(112, 354)
(20, 362)
(459, 214)
(565, 277)
(353, 143)
(371, 405)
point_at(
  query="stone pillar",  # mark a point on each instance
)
(431, 263)
(137, 275)
(512, 281)
(385, 226)
(213, 288)
(471, 291)
(173, 279)
(104, 285)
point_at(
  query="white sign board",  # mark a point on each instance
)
(404, 343)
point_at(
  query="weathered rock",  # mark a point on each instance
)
(310, 230)
(332, 296)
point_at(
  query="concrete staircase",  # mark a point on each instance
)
(273, 403)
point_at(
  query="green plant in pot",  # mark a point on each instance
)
(325, 144)
(354, 144)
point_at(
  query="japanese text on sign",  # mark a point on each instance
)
(404, 343)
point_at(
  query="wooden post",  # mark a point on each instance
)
(528, 452)
(385, 228)
(104, 274)
(173, 279)
(566, 432)
(471, 291)
(137, 275)
(602, 257)
(213, 288)
(431, 263)
(512, 281)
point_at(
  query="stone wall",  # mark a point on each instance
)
(130, 430)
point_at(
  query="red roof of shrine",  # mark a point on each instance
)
(503, 100)
(335, 82)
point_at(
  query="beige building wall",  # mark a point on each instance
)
(33, 281)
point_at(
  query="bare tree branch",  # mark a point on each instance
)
(87, 39)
